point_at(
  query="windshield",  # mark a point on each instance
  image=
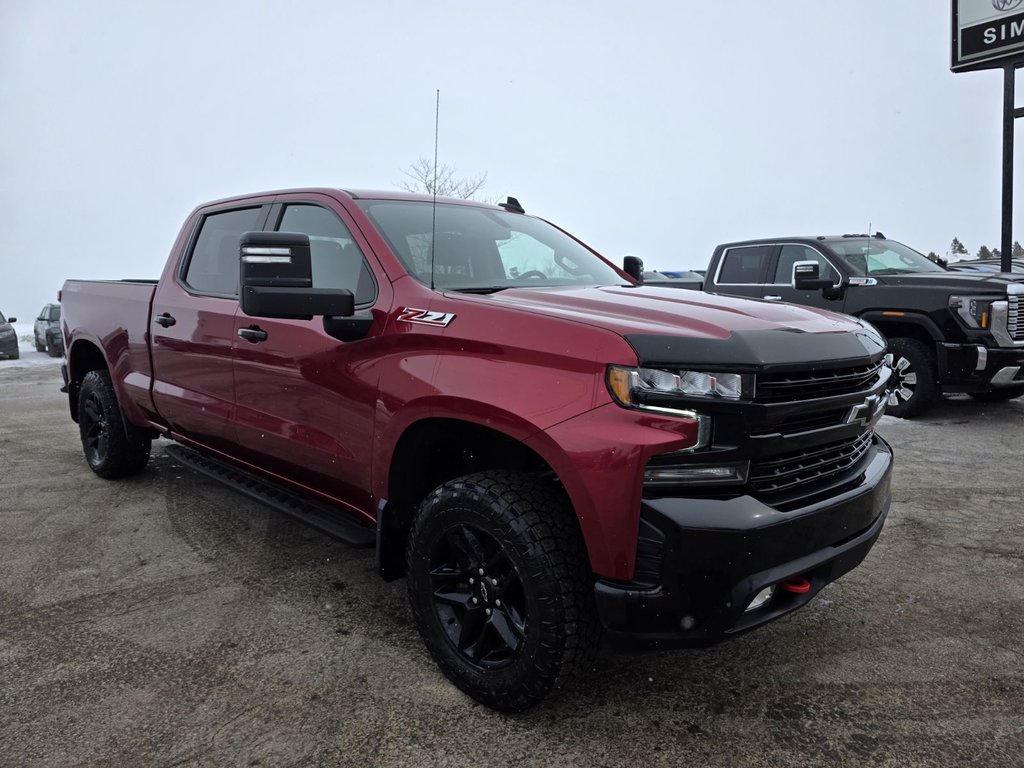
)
(2, 318)
(478, 249)
(869, 256)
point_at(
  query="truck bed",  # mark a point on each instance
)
(114, 314)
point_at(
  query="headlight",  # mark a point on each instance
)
(655, 387)
(975, 311)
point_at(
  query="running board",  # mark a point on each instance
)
(321, 516)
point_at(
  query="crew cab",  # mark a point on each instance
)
(946, 331)
(549, 452)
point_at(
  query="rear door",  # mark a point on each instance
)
(305, 401)
(192, 326)
(780, 285)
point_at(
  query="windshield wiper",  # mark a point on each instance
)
(481, 289)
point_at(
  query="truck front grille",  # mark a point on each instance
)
(808, 385)
(1015, 318)
(822, 462)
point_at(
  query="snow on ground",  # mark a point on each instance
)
(29, 356)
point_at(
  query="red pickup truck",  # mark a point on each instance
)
(551, 453)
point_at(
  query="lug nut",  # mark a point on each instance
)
(475, 601)
(497, 603)
(481, 571)
(494, 582)
(488, 611)
(470, 579)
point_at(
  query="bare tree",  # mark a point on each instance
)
(448, 182)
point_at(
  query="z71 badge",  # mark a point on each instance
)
(425, 317)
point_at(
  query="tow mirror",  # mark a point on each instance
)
(634, 267)
(806, 278)
(276, 279)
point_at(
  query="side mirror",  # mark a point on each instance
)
(12, 319)
(634, 267)
(276, 279)
(805, 278)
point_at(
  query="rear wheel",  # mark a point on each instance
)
(51, 347)
(500, 588)
(40, 347)
(998, 395)
(112, 446)
(915, 386)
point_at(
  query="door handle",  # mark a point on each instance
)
(253, 335)
(773, 297)
(165, 320)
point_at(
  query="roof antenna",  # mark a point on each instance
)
(433, 189)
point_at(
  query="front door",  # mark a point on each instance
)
(780, 287)
(305, 401)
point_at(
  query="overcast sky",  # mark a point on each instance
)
(650, 128)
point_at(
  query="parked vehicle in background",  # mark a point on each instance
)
(8, 338)
(674, 279)
(946, 331)
(987, 265)
(47, 332)
(548, 451)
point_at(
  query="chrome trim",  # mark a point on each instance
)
(1000, 320)
(1005, 376)
(982, 359)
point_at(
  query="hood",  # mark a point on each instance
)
(670, 311)
(957, 282)
(669, 325)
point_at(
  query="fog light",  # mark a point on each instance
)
(660, 472)
(760, 599)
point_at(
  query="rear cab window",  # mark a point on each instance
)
(744, 265)
(212, 266)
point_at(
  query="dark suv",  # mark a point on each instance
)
(8, 338)
(47, 331)
(946, 331)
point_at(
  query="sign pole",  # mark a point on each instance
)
(1009, 83)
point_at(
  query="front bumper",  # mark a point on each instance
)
(701, 561)
(977, 368)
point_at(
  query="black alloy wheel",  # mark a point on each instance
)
(478, 597)
(914, 386)
(500, 587)
(113, 447)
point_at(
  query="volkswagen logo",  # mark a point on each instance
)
(1006, 5)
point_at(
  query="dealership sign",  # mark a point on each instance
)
(987, 33)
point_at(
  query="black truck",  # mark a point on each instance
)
(947, 331)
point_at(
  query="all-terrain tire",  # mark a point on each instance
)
(501, 589)
(916, 386)
(113, 447)
(39, 347)
(998, 395)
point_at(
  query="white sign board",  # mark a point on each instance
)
(987, 33)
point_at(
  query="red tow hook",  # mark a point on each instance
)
(797, 585)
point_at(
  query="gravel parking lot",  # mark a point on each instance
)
(167, 621)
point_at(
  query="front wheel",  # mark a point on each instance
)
(39, 347)
(915, 385)
(500, 588)
(112, 446)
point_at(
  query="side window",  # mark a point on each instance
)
(744, 265)
(213, 265)
(337, 260)
(791, 254)
(55, 312)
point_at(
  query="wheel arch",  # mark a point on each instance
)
(83, 357)
(438, 448)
